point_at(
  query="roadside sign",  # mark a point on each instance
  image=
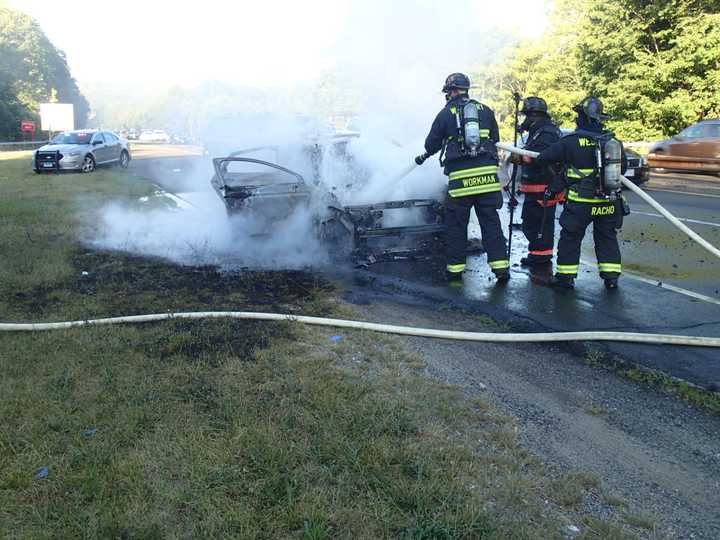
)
(27, 125)
(57, 117)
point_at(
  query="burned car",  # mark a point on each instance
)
(365, 234)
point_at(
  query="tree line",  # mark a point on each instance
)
(32, 71)
(654, 63)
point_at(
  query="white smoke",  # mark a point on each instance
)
(393, 57)
(397, 55)
(192, 227)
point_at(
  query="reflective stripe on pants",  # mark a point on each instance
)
(455, 268)
(574, 221)
(499, 264)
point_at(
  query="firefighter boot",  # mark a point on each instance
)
(611, 283)
(562, 281)
(502, 275)
(531, 261)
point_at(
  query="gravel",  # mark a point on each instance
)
(656, 453)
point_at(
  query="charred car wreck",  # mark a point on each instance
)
(365, 234)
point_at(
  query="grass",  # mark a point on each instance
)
(707, 399)
(227, 429)
(569, 490)
(638, 521)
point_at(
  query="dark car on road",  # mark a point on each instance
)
(637, 171)
(81, 150)
(694, 149)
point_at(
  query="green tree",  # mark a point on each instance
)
(655, 64)
(32, 70)
(545, 67)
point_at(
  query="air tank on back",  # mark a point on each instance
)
(471, 127)
(612, 166)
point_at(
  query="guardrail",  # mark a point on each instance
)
(16, 146)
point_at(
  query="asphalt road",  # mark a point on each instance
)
(671, 285)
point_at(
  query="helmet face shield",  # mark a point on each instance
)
(592, 108)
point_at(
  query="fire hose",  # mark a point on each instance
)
(640, 193)
(631, 337)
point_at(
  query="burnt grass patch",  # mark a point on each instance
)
(112, 283)
(207, 340)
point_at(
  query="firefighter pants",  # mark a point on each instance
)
(457, 216)
(606, 219)
(541, 239)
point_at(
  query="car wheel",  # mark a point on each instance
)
(88, 164)
(124, 159)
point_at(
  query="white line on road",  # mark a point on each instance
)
(687, 220)
(683, 192)
(660, 284)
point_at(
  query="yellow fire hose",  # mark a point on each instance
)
(632, 337)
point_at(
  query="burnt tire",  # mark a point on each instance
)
(88, 164)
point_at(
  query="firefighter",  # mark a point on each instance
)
(593, 161)
(465, 132)
(538, 213)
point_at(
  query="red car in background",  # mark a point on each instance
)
(695, 149)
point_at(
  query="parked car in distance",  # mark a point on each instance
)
(637, 170)
(155, 135)
(694, 149)
(81, 150)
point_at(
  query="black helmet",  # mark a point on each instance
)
(534, 104)
(456, 80)
(592, 108)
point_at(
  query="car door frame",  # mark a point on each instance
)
(100, 151)
(679, 145)
(113, 146)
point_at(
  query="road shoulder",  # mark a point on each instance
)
(655, 455)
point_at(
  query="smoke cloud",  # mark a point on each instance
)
(390, 63)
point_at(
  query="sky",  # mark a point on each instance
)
(253, 43)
